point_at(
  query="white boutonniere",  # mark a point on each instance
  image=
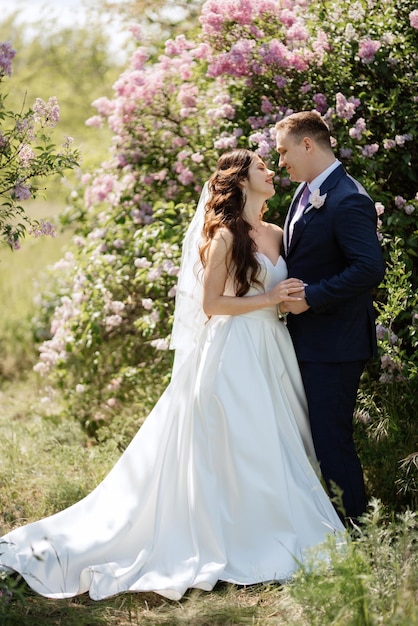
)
(316, 200)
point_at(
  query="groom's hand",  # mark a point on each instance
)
(297, 307)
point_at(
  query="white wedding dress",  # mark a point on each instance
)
(216, 485)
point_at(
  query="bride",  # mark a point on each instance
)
(220, 482)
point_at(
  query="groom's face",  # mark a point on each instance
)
(294, 155)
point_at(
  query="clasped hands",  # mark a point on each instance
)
(289, 294)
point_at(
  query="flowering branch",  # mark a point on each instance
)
(27, 155)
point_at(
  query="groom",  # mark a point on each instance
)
(330, 242)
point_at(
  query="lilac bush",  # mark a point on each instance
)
(249, 63)
(27, 156)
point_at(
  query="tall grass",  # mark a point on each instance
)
(47, 462)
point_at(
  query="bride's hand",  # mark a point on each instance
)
(285, 291)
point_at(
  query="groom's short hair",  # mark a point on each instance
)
(306, 124)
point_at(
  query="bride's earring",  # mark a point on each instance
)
(244, 196)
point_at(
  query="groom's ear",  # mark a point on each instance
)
(308, 144)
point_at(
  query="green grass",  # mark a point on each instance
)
(47, 463)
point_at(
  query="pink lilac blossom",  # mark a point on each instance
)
(275, 53)
(113, 321)
(142, 262)
(346, 108)
(176, 47)
(214, 14)
(265, 142)
(136, 31)
(381, 331)
(413, 18)
(25, 128)
(388, 144)
(147, 303)
(266, 105)
(320, 46)
(43, 228)
(380, 208)
(367, 49)
(21, 191)
(116, 306)
(154, 274)
(67, 143)
(202, 51)
(358, 129)
(257, 122)
(287, 17)
(101, 189)
(26, 154)
(139, 58)
(236, 62)
(224, 111)
(346, 153)
(186, 176)
(170, 268)
(187, 95)
(281, 81)
(409, 209)
(160, 344)
(401, 139)
(95, 121)
(47, 113)
(225, 142)
(297, 32)
(320, 101)
(79, 241)
(370, 150)
(13, 240)
(104, 106)
(387, 363)
(399, 202)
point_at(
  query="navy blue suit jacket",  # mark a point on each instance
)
(335, 250)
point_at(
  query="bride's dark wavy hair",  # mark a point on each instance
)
(225, 209)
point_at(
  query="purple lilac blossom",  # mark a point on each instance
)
(7, 54)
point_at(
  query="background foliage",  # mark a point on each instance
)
(172, 112)
(103, 312)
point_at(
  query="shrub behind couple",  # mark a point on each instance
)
(220, 482)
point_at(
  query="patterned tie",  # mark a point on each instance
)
(303, 201)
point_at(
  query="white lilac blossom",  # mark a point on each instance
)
(160, 344)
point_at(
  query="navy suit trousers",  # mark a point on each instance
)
(331, 390)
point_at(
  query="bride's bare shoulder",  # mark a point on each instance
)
(274, 227)
(275, 232)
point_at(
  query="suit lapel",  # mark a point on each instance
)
(301, 224)
(290, 214)
(328, 184)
